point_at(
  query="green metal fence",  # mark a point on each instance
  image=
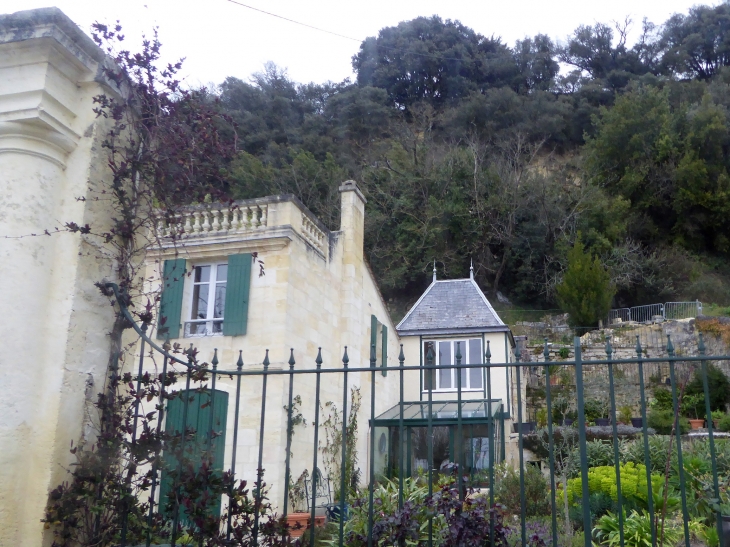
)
(191, 496)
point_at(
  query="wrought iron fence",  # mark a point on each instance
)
(410, 497)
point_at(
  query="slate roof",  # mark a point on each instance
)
(452, 306)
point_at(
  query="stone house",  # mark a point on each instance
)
(315, 290)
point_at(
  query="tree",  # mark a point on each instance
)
(586, 290)
(434, 60)
(697, 45)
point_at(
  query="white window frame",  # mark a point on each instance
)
(464, 361)
(210, 312)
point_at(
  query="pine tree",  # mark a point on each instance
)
(586, 290)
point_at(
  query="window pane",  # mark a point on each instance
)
(220, 300)
(445, 362)
(475, 356)
(202, 274)
(429, 375)
(200, 301)
(222, 273)
(217, 327)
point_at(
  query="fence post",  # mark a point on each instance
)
(585, 497)
(239, 368)
(318, 376)
(551, 443)
(371, 484)
(711, 433)
(289, 431)
(260, 470)
(343, 464)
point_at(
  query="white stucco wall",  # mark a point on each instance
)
(57, 321)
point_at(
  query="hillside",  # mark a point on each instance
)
(470, 149)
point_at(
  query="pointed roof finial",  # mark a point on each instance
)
(471, 270)
(434, 271)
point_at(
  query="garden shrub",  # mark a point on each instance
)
(662, 399)
(663, 421)
(603, 479)
(507, 491)
(724, 423)
(599, 453)
(599, 504)
(633, 451)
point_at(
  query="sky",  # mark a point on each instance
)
(219, 38)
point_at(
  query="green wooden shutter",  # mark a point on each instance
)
(373, 336)
(385, 350)
(173, 281)
(235, 316)
(198, 419)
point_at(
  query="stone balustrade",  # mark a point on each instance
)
(313, 234)
(243, 219)
(213, 221)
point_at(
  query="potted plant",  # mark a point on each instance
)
(541, 417)
(717, 415)
(692, 406)
(554, 373)
(298, 520)
(596, 411)
(624, 415)
(562, 412)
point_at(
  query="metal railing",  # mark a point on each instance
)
(441, 504)
(647, 313)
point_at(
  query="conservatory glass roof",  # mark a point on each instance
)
(441, 411)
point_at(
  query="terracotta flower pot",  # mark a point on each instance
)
(298, 523)
(697, 423)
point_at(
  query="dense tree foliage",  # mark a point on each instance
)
(469, 149)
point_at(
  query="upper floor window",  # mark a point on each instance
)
(209, 300)
(205, 299)
(444, 377)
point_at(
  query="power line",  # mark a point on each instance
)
(293, 21)
(427, 55)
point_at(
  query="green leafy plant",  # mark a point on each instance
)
(724, 423)
(693, 405)
(594, 409)
(541, 417)
(718, 387)
(637, 530)
(331, 447)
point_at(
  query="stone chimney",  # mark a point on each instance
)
(352, 221)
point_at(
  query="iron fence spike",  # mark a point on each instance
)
(318, 360)
(345, 358)
(214, 361)
(401, 356)
(292, 362)
(266, 360)
(239, 364)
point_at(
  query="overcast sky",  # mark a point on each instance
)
(220, 39)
